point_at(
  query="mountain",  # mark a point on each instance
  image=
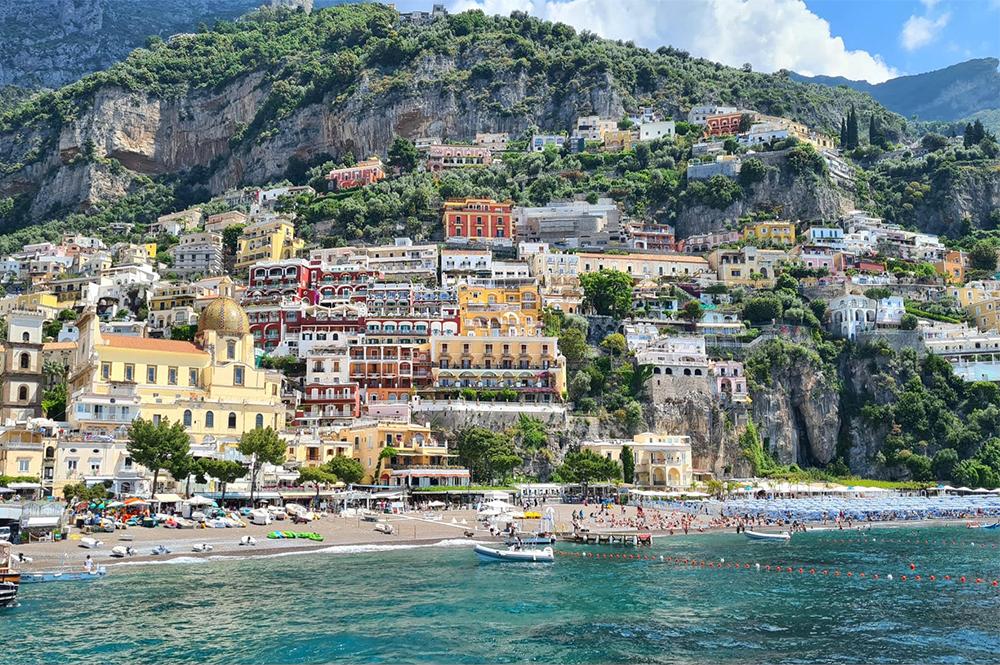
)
(242, 102)
(952, 93)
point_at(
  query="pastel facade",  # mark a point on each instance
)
(777, 232)
(267, 240)
(479, 220)
(646, 266)
(366, 172)
(21, 381)
(197, 254)
(661, 460)
(443, 157)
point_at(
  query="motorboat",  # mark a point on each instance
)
(65, 576)
(160, 549)
(369, 516)
(202, 547)
(10, 579)
(385, 527)
(782, 537)
(540, 538)
(90, 543)
(260, 516)
(248, 541)
(121, 551)
(493, 555)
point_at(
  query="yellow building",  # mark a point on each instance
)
(529, 365)
(748, 265)
(268, 240)
(500, 309)
(952, 267)
(985, 313)
(776, 232)
(212, 386)
(660, 460)
(44, 301)
(21, 453)
(413, 444)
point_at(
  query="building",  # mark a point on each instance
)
(852, 314)
(723, 124)
(652, 131)
(478, 220)
(497, 308)
(618, 139)
(495, 141)
(570, 224)
(458, 264)
(659, 238)
(593, 128)
(748, 265)
(952, 266)
(698, 115)
(176, 223)
(540, 141)
(645, 266)
(197, 254)
(679, 365)
(415, 455)
(267, 240)
(366, 172)
(763, 132)
(826, 236)
(21, 381)
(212, 385)
(223, 220)
(21, 453)
(529, 365)
(782, 233)
(661, 461)
(706, 242)
(725, 165)
(441, 157)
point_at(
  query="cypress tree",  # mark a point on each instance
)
(967, 137)
(978, 131)
(872, 132)
(843, 133)
(852, 129)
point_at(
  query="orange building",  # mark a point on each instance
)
(483, 220)
(363, 173)
(952, 267)
(723, 124)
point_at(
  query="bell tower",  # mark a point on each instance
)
(21, 380)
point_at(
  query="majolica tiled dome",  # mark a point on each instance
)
(224, 316)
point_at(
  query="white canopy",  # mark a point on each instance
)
(198, 500)
(437, 504)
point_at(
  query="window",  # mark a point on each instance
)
(209, 419)
(105, 371)
(187, 417)
(71, 465)
(130, 372)
(22, 465)
(230, 350)
(192, 377)
(232, 420)
(172, 376)
(259, 421)
(25, 337)
(238, 376)
(25, 360)
(22, 394)
(150, 373)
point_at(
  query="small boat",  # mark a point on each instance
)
(121, 551)
(160, 549)
(532, 539)
(369, 516)
(385, 527)
(91, 543)
(992, 526)
(10, 579)
(202, 547)
(783, 537)
(492, 555)
(248, 541)
(59, 576)
(260, 516)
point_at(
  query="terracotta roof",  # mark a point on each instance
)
(150, 344)
(58, 346)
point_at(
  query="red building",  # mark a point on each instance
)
(341, 282)
(484, 220)
(363, 173)
(723, 124)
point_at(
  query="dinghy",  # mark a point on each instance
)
(782, 537)
(160, 549)
(248, 541)
(57, 576)
(202, 547)
(121, 551)
(90, 543)
(385, 527)
(492, 555)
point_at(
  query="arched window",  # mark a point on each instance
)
(25, 337)
(232, 420)
(25, 360)
(230, 350)
(22, 394)
(187, 418)
(210, 419)
(259, 421)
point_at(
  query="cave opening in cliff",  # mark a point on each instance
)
(803, 448)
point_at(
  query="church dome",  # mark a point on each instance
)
(224, 316)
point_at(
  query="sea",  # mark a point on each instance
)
(712, 598)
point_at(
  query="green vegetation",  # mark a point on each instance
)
(586, 467)
(158, 446)
(262, 446)
(488, 455)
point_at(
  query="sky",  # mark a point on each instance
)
(873, 40)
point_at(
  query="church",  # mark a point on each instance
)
(212, 385)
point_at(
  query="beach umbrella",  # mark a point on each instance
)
(115, 504)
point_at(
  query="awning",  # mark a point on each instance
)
(25, 486)
(41, 522)
(166, 498)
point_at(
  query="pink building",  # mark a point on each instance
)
(441, 157)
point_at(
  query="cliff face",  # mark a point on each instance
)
(714, 430)
(801, 197)
(968, 193)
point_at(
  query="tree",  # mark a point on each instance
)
(908, 322)
(628, 465)
(989, 455)
(531, 432)
(852, 129)
(486, 453)
(54, 402)
(231, 238)
(317, 476)
(573, 345)
(183, 333)
(692, 313)
(878, 293)
(763, 308)
(186, 467)
(347, 469)
(224, 471)
(157, 446)
(933, 142)
(983, 256)
(608, 292)
(586, 467)
(973, 473)
(403, 155)
(843, 133)
(615, 344)
(262, 446)
(386, 453)
(83, 492)
(746, 121)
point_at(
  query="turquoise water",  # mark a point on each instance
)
(438, 605)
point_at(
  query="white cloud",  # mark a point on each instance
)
(769, 34)
(919, 31)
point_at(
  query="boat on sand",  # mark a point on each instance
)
(493, 555)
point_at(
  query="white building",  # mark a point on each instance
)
(698, 114)
(651, 131)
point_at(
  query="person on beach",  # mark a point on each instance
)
(88, 564)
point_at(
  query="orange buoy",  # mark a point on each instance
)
(962, 579)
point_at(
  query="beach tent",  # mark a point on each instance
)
(136, 501)
(200, 501)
